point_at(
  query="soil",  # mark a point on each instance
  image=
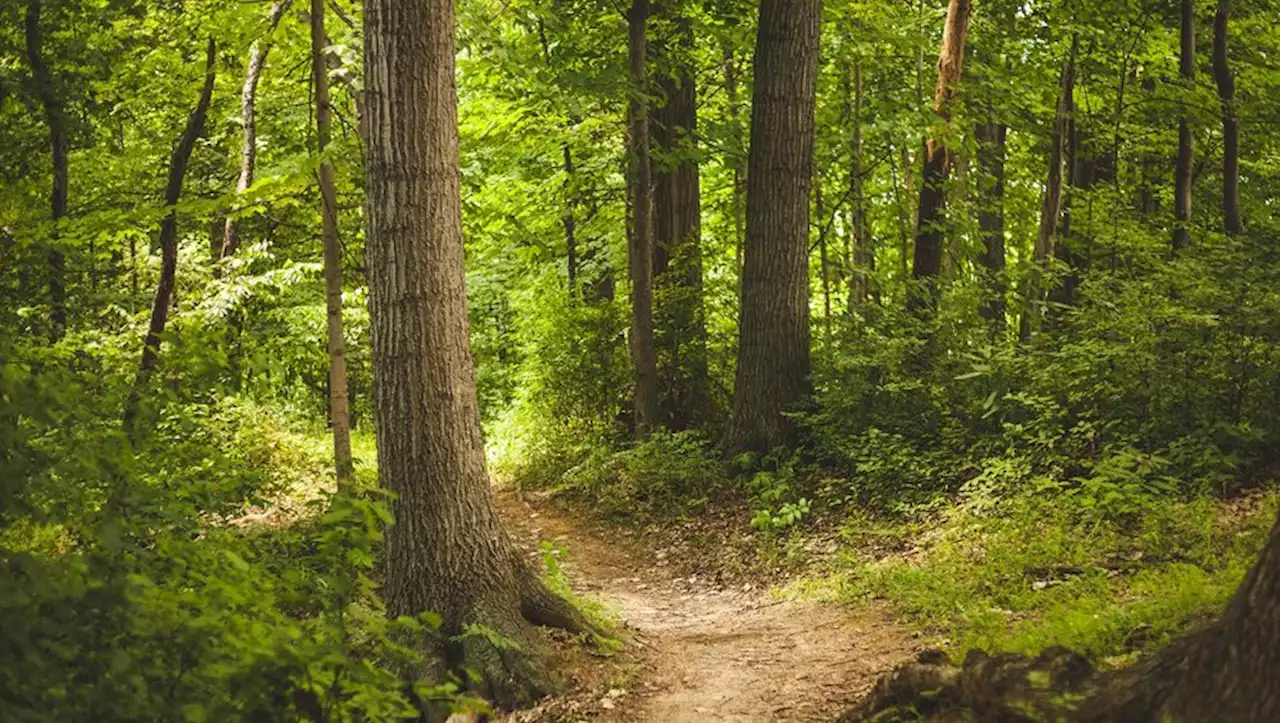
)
(698, 649)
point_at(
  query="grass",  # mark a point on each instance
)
(1029, 574)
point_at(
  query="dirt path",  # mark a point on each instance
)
(710, 653)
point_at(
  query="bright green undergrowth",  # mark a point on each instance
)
(1029, 572)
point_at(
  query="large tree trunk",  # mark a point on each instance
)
(640, 247)
(1051, 207)
(55, 116)
(677, 251)
(1231, 220)
(991, 158)
(248, 121)
(339, 413)
(1186, 153)
(447, 550)
(773, 336)
(169, 238)
(927, 263)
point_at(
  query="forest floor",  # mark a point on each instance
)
(698, 648)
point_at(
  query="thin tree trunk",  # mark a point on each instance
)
(923, 297)
(447, 551)
(169, 239)
(643, 346)
(1231, 219)
(821, 213)
(863, 252)
(677, 250)
(248, 121)
(773, 336)
(55, 117)
(991, 158)
(1051, 207)
(738, 159)
(1186, 152)
(339, 407)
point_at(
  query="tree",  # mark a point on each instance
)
(447, 551)
(1186, 153)
(863, 261)
(991, 136)
(339, 416)
(681, 328)
(1231, 219)
(773, 336)
(927, 263)
(55, 117)
(169, 238)
(640, 247)
(249, 121)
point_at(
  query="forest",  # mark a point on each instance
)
(639, 360)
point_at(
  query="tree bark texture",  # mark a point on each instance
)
(863, 262)
(1231, 219)
(1051, 206)
(1186, 152)
(339, 404)
(927, 261)
(248, 121)
(640, 247)
(991, 158)
(773, 336)
(447, 550)
(681, 328)
(169, 239)
(56, 118)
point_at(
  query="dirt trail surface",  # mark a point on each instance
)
(706, 652)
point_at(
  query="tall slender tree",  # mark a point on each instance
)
(927, 262)
(339, 413)
(447, 550)
(644, 355)
(1186, 152)
(1231, 219)
(991, 136)
(169, 238)
(249, 121)
(56, 118)
(773, 336)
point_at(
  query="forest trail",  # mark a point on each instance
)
(709, 653)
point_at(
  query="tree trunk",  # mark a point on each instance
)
(991, 157)
(339, 413)
(773, 336)
(640, 248)
(447, 550)
(570, 224)
(927, 263)
(677, 251)
(248, 121)
(820, 211)
(1186, 153)
(55, 116)
(1231, 220)
(169, 239)
(864, 261)
(1051, 208)
(737, 159)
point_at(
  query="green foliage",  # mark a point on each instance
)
(771, 483)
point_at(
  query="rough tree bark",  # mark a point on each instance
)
(447, 550)
(1051, 206)
(991, 158)
(55, 116)
(248, 121)
(169, 238)
(1231, 219)
(927, 262)
(1186, 152)
(640, 246)
(339, 412)
(677, 251)
(773, 336)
